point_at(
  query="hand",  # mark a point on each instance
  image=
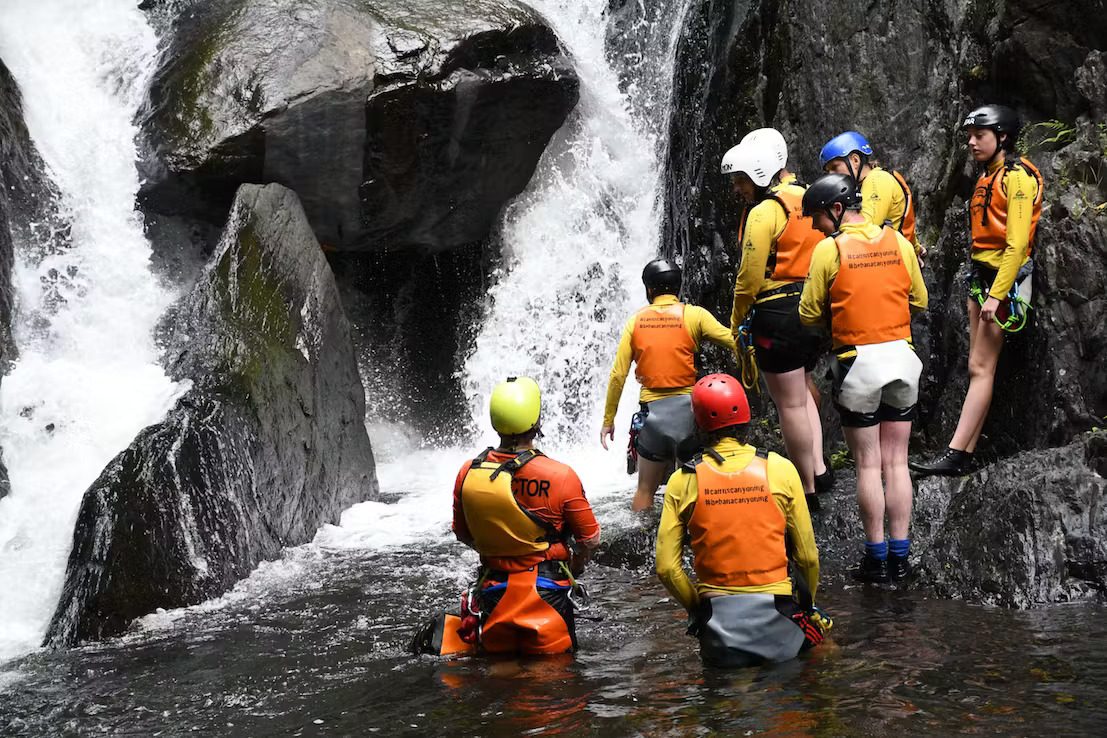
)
(608, 431)
(694, 624)
(988, 309)
(922, 255)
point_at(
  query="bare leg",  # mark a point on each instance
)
(789, 392)
(894, 437)
(985, 345)
(650, 476)
(813, 406)
(865, 445)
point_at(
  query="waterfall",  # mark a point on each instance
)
(87, 378)
(575, 243)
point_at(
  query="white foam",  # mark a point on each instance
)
(87, 379)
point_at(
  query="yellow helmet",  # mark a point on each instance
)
(515, 406)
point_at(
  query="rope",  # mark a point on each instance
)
(746, 358)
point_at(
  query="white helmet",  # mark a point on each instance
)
(756, 161)
(772, 139)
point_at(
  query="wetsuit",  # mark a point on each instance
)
(868, 305)
(522, 533)
(741, 518)
(662, 341)
(776, 252)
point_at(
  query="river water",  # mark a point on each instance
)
(316, 643)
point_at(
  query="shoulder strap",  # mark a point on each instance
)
(482, 456)
(516, 462)
(762, 452)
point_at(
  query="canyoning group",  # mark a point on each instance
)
(834, 266)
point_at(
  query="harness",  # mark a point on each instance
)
(1019, 308)
(1008, 165)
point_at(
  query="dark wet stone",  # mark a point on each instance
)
(267, 445)
(398, 124)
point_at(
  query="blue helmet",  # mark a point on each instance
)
(843, 145)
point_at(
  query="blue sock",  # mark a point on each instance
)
(899, 548)
(878, 551)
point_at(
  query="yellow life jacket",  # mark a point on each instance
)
(499, 524)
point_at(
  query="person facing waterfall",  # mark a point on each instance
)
(776, 243)
(662, 339)
(744, 513)
(885, 196)
(1004, 211)
(528, 518)
(865, 281)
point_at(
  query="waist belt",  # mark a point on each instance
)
(789, 289)
(548, 569)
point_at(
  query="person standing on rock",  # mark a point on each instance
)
(744, 513)
(528, 518)
(1004, 212)
(662, 339)
(776, 251)
(885, 196)
(865, 281)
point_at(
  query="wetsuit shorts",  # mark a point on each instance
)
(751, 629)
(669, 431)
(880, 383)
(781, 342)
(983, 276)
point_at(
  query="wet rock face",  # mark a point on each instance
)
(266, 445)
(904, 74)
(397, 123)
(1027, 531)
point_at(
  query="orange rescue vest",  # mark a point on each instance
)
(500, 526)
(869, 297)
(907, 223)
(663, 350)
(988, 210)
(790, 258)
(738, 533)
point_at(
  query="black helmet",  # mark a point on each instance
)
(998, 118)
(829, 189)
(663, 275)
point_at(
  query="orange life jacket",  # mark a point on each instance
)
(736, 529)
(663, 350)
(498, 524)
(988, 211)
(907, 224)
(790, 258)
(869, 295)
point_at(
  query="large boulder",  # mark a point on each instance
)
(399, 123)
(266, 445)
(904, 74)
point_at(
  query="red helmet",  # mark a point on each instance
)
(718, 400)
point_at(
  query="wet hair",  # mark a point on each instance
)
(740, 433)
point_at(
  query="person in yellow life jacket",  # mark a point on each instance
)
(743, 512)
(1005, 208)
(865, 281)
(885, 196)
(776, 244)
(528, 518)
(662, 340)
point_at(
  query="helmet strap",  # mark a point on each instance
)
(837, 221)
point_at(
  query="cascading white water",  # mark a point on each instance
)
(87, 378)
(576, 241)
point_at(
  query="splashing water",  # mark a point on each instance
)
(87, 379)
(575, 243)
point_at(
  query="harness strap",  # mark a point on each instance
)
(906, 201)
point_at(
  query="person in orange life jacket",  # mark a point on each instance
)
(1006, 205)
(662, 340)
(885, 196)
(744, 514)
(521, 510)
(776, 250)
(865, 281)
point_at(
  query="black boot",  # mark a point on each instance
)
(898, 567)
(824, 483)
(813, 504)
(952, 463)
(871, 569)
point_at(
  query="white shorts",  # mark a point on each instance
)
(880, 383)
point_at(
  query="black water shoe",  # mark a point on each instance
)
(824, 483)
(871, 569)
(952, 463)
(813, 504)
(898, 567)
